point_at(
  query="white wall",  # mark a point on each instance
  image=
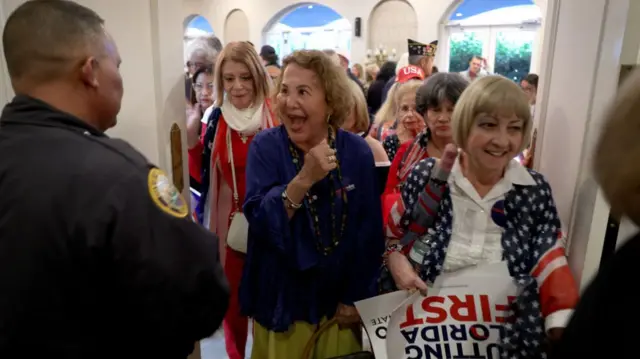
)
(260, 13)
(5, 85)
(149, 36)
(580, 67)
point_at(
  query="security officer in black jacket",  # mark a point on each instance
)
(98, 255)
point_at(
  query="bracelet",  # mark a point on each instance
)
(288, 202)
(396, 247)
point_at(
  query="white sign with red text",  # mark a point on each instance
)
(461, 317)
(375, 314)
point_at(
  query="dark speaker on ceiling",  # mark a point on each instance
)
(358, 27)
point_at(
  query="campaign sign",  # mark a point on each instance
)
(375, 313)
(462, 316)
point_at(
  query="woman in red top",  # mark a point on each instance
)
(241, 110)
(435, 100)
(201, 99)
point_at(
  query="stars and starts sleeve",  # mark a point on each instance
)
(557, 287)
(401, 213)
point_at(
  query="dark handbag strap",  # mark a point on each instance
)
(311, 343)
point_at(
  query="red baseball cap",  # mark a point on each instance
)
(410, 72)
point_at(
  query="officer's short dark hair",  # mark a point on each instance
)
(43, 38)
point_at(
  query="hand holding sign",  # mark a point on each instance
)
(403, 273)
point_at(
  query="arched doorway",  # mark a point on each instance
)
(504, 32)
(236, 26)
(391, 23)
(194, 26)
(308, 26)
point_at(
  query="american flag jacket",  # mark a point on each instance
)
(532, 247)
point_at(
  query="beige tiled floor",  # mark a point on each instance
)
(213, 348)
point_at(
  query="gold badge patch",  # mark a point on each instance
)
(165, 195)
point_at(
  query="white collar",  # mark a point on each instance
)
(515, 173)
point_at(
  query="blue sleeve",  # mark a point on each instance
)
(415, 183)
(367, 258)
(263, 205)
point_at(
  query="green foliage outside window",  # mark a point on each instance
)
(462, 48)
(512, 60)
(513, 57)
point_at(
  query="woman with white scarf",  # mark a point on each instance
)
(241, 109)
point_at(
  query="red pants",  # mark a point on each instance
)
(235, 325)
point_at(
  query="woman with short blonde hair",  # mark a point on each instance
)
(358, 122)
(241, 110)
(478, 207)
(483, 98)
(315, 242)
(408, 123)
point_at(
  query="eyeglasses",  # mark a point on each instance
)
(198, 86)
(195, 64)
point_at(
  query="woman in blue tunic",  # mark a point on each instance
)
(315, 227)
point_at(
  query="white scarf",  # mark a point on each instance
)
(247, 121)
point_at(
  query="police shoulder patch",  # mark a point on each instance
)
(165, 195)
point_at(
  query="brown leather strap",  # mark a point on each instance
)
(308, 349)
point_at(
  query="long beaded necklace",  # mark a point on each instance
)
(309, 201)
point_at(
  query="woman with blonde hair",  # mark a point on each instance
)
(386, 120)
(315, 238)
(358, 123)
(358, 71)
(241, 110)
(408, 122)
(478, 206)
(370, 73)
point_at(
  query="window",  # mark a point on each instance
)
(513, 53)
(504, 36)
(462, 46)
(310, 27)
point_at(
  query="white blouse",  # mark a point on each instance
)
(476, 238)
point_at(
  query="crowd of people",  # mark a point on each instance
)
(318, 183)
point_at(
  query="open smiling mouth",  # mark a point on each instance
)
(297, 122)
(497, 154)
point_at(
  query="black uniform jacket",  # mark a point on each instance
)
(96, 260)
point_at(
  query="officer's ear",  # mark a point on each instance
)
(89, 72)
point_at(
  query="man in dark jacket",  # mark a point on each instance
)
(98, 255)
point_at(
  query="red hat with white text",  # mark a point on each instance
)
(410, 72)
